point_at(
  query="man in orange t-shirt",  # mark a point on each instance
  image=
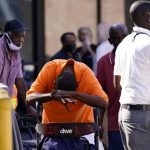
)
(67, 89)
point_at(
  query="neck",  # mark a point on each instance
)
(114, 50)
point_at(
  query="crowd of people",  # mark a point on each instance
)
(79, 84)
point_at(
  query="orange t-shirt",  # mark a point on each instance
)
(54, 111)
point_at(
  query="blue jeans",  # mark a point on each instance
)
(115, 142)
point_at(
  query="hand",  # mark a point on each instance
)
(58, 94)
(63, 97)
(86, 41)
(21, 109)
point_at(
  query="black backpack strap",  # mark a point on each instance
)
(41, 143)
(137, 33)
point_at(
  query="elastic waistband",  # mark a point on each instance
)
(136, 107)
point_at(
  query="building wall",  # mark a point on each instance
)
(66, 15)
(112, 11)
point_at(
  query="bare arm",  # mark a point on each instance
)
(22, 105)
(116, 81)
(91, 100)
(58, 94)
(38, 97)
(22, 88)
(21, 96)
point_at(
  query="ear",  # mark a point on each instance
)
(147, 15)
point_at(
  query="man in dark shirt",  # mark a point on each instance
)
(68, 49)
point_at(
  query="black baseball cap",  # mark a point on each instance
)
(14, 26)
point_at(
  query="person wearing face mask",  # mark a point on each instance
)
(68, 90)
(11, 70)
(68, 49)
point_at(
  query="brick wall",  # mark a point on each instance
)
(68, 15)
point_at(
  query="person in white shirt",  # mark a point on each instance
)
(132, 75)
(104, 46)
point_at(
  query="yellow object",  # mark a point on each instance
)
(5, 119)
(14, 98)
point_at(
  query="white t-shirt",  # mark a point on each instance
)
(132, 63)
(101, 50)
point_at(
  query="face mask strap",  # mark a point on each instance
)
(11, 45)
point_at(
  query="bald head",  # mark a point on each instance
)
(140, 13)
(117, 33)
(118, 28)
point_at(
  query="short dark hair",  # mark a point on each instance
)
(137, 9)
(63, 36)
(116, 27)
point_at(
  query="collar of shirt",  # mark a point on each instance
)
(111, 58)
(139, 29)
(72, 61)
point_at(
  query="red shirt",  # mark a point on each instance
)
(105, 70)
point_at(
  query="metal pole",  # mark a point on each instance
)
(38, 40)
(98, 11)
(38, 35)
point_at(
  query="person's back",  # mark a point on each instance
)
(60, 80)
(132, 75)
(134, 60)
(82, 73)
